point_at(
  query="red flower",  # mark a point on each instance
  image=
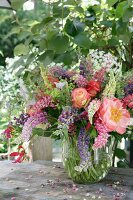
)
(88, 126)
(8, 131)
(20, 155)
(93, 87)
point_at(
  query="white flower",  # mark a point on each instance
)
(60, 85)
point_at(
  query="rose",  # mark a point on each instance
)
(113, 116)
(80, 97)
(93, 87)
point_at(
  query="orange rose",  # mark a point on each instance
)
(93, 87)
(80, 97)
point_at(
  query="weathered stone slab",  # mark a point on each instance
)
(47, 181)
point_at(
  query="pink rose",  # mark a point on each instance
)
(80, 97)
(113, 116)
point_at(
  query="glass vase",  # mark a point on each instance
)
(100, 162)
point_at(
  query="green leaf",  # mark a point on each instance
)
(93, 133)
(121, 27)
(66, 58)
(79, 9)
(21, 49)
(23, 35)
(1, 53)
(36, 28)
(51, 33)
(17, 4)
(122, 164)
(121, 9)
(73, 28)
(107, 23)
(71, 2)
(42, 44)
(78, 25)
(47, 57)
(113, 41)
(127, 15)
(111, 2)
(70, 28)
(30, 59)
(59, 13)
(83, 40)
(119, 153)
(125, 37)
(59, 44)
(47, 20)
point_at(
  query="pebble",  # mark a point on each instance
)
(17, 188)
(87, 194)
(42, 185)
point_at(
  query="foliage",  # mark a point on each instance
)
(99, 25)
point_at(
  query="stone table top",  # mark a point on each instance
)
(44, 180)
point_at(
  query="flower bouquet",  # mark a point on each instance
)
(88, 107)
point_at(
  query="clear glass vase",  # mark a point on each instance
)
(100, 162)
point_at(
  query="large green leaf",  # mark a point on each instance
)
(79, 9)
(121, 8)
(70, 28)
(74, 27)
(119, 153)
(47, 20)
(21, 49)
(17, 4)
(66, 58)
(60, 12)
(127, 15)
(113, 41)
(83, 40)
(121, 27)
(111, 2)
(36, 28)
(59, 44)
(42, 45)
(47, 57)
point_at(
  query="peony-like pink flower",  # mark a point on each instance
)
(80, 97)
(113, 116)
